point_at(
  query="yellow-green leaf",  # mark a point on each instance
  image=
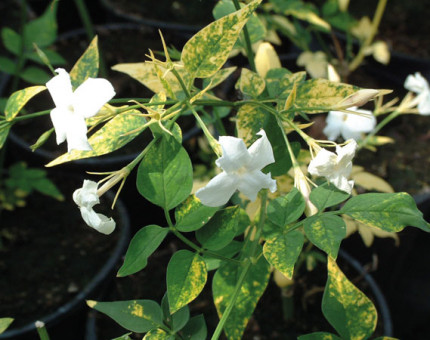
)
(5, 323)
(347, 309)
(4, 131)
(218, 77)
(158, 334)
(249, 120)
(112, 136)
(87, 65)
(18, 99)
(208, 49)
(186, 277)
(250, 83)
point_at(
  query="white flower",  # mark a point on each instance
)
(242, 171)
(71, 108)
(336, 168)
(87, 197)
(418, 84)
(349, 125)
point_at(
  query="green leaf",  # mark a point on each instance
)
(53, 57)
(156, 77)
(208, 49)
(165, 175)
(11, 40)
(192, 214)
(18, 99)
(326, 232)
(389, 212)
(42, 139)
(87, 66)
(347, 309)
(4, 324)
(142, 245)
(283, 251)
(43, 30)
(286, 209)
(158, 334)
(250, 83)
(228, 251)
(124, 337)
(7, 65)
(195, 329)
(186, 277)
(138, 316)
(249, 121)
(327, 195)
(4, 132)
(177, 320)
(254, 285)
(319, 336)
(280, 80)
(112, 136)
(220, 230)
(218, 77)
(47, 187)
(35, 75)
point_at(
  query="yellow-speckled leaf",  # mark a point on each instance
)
(186, 277)
(319, 336)
(158, 334)
(87, 66)
(280, 81)
(5, 323)
(191, 215)
(155, 77)
(112, 136)
(208, 49)
(250, 119)
(218, 77)
(347, 309)
(250, 83)
(18, 99)
(253, 287)
(283, 250)
(386, 211)
(4, 131)
(319, 95)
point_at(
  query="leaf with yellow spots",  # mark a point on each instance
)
(250, 120)
(112, 136)
(158, 334)
(186, 277)
(386, 211)
(250, 83)
(253, 286)
(218, 77)
(18, 99)
(319, 336)
(280, 81)
(87, 65)
(283, 250)
(4, 131)
(208, 49)
(138, 316)
(191, 215)
(326, 232)
(345, 307)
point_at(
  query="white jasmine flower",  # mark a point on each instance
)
(418, 84)
(336, 168)
(87, 197)
(71, 108)
(242, 171)
(349, 125)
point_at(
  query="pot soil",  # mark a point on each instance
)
(51, 261)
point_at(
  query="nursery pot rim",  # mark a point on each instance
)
(54, 317)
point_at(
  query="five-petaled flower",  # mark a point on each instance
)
(71, 108)
(336, 168)
(87, 197)
(242, 171)
(418, 84)
(349, 125)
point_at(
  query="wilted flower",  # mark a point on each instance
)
(87, 197)
(71, 108)
(336, 168)
(242, 171)
(350, 126)
(418, 84)
(301, 182)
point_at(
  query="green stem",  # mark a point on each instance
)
(248, 45)
(384, 122)
(287, 302)
(41, 330)
(355, 63)
(32, 115)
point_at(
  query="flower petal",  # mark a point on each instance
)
(99, 222)
(87, 195)
(355, 125)
(252, 182)
(346, 153)
(334, 125)
(60, 88)
(234, 154)
(323, 164)
(424, 103)
(261, 153)
(77, 134)
(416, 83)
(60, 119)
(218, 191)
(91, 95)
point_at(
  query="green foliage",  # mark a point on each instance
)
(87, 65)
(195, 329)
(143, 244)
(4, 324)
(250, 83)
(326, 196)
(18, 99)
(192, 215)
(319, 336)
(165, 175)
(286, 209)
